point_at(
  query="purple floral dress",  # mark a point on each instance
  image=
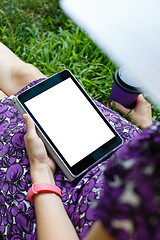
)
(17, 215)
(130, 205)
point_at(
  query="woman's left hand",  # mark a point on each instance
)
(41, 164)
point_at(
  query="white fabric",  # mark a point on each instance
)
(128, 31)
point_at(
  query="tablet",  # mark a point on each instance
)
(75, 132)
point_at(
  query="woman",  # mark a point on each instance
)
(17, 219)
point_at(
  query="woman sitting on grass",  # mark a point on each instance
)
(118, 199)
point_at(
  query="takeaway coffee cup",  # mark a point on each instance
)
(125, 89)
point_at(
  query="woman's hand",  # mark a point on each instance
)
(51, 217)
(140, 115)
(42, 166)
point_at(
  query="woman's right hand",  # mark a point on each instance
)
(42, 167)
(140, 115)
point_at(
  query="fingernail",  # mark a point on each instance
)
(110, 104)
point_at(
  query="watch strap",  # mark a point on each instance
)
(42, 188)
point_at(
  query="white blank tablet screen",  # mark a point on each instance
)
(70, 121)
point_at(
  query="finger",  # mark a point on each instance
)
(29, 124)
(120, 108)
(141, 99)
(142, 104)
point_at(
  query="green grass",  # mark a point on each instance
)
(40, 33)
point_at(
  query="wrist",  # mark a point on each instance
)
(41, 173)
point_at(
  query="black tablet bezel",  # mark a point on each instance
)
(92, 158)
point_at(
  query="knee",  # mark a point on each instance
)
(26, 73)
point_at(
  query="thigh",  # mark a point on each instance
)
(17, 216)
(126, 129)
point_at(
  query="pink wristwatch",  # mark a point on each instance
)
(43, 188)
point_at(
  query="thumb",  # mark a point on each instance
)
(120, 108)
(29, 124)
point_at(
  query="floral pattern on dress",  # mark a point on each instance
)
(130, 206)
(17, 215)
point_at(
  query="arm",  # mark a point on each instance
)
(52, 220)
(141, 114)
(98, 232)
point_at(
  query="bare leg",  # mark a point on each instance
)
(14, 73)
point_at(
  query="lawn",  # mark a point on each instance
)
(39, 33)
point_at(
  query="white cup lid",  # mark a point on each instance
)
(127, 78)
